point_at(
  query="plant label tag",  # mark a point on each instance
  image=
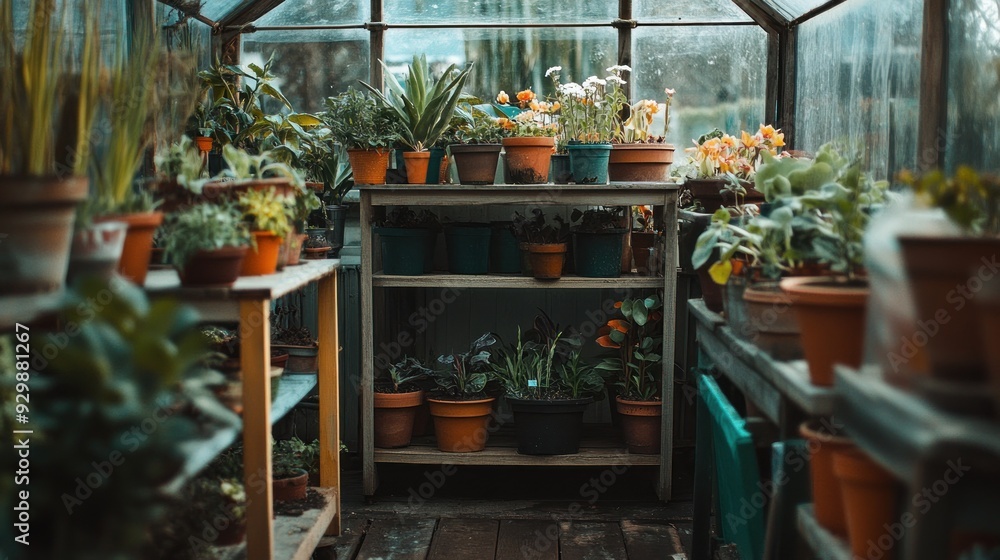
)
(532, 383)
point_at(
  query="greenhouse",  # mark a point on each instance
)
(500, 280)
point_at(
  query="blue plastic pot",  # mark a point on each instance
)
(561, 172)
(434, 166)
(403, 250)
(598, 255)
(589, 163)
(468, 248)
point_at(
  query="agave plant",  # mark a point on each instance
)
(425, 106)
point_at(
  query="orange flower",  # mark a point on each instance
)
(525, 96)
(767, 131)
(503, 98)
(749, 141)
(778, 140)
(534, 105)
(554, 107)
(505, 123)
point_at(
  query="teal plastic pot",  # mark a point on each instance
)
(598, 255)
(468, 248)
(589, 163)
(505, 252)
(434, 166)
(403, 250)
(561, 172)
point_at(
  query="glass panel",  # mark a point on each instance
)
(312, 65)
(112, 20)
(478, 11)
(974, 65)
(859, 82)
(186, 32)
(507, 59)
(317, 12)
(686, 10)
(720, 76)
(795, 8)
(215, 10)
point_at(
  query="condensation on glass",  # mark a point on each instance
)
(479, 11)
(317, 12)
(719, 74)
(792, 9)
(973, 136)
(858, 82)
(713, 11)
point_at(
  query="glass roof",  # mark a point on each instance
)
(482, 11)
(792, 9)
(216, 10)
(317, 12)
(685, 10)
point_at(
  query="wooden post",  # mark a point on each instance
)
(255, 360)
(367, 347)
(329, 393)
(933, 127)
(664, 488)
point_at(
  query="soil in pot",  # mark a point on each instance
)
(505, 253)
(394, 417)
(262, 259)
(461, 426)
(476, 163)
(96, 250)
(560, 172)
(403, 250)
(417, 164)
(369, 166)
(640, 421)
(292, 488)
(772, 321)
(138, 247)
(589, 163)
(468, 248)
(831, 316)
(548, 427)
(527, 160)
(219, 267)
(598, 255)
(640, 162)
(546, 260)
(870, 501)
(828, 502)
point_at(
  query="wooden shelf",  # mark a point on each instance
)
(25, 309)
(295, 537)
(292, 388)
(824, 544)
(615, 194)
(440, 280)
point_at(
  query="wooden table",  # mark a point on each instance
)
(248, 302)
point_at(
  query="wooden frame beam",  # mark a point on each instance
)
(933, 124)
(250, 11)
(763, 15)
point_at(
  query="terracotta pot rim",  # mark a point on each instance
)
(399, 400)
(529, 141)
(822, 290)
(134, 219)
(60, 191)
(457, 401)
(768, 292)
(854, 465)
(546, 247)
(618, 398)
(810, 430)
(426, 154)
(476, 147)
(371, 150)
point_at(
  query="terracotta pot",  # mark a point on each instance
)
(945, 273)
(752, 196)
(640, 421)
(369, 166)
(443, 177)
(96, 250)
(711, 293)
(220, 267)
(230, 191)
(394, 416)
(476, 163)
(546, 259)
(988, 304)
(640, 162)
(301, 359)
(641, 243)
(205, 143)
(870, 500)
(138, 248)
(290, 489)
(422, 425)
(461, 426)
(828, 503)
(316, 253)
(708, 192)
(416, 166)
(773, 326)
(528, 159)
(233, 533)
(264, 258)
(831, 315)
(295, 248)
(280, 360)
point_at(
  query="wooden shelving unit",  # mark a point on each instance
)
(248, 302)
(616, 194)
(824, 544)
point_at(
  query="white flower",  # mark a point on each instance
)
(572, 89)
(593, 81)
(553, 70)
(615, 80)
(618, 69)
(669, 92)
(526, 116)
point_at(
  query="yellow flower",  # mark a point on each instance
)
(503, 98)
(729, 141)
(534, 106)
(505, 123)
(749, 141)
(767, 131)
(778, 140)
(554, 107)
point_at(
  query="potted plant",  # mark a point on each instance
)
(316, 247)
(468, 247)
(95, 249)
(938, 265)
(548, 387)
(641, 240)
(219, 498)
(589, 120)
(459, 405)
(531, 130)
(397, 397)
(266, 214)
(367, 129)
(245, 171)
(408, 240)
(544, 245)
(298, 210)
(636, 367)
(477, 146)
(424, 107)
(300, 345)
(181, 175)
(327, 163)
(637, 154)
(597, 242)
(292, 462)
(207, 244)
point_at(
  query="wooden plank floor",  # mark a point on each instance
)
(508, 539)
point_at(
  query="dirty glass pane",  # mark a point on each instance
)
(317, 12)
(686, 10)
(859, 82)
(112, 21)
(215, 10)
(795, 8)
(480, 11)
(973, 105)
(312, 65)
(507, 59)
(186, 33)
(719, 76)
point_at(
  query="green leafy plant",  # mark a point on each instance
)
(286, 137)
(534, 229)
(425, 106)
(203, 227)
(403, 376)
(545, 366)
(291, 455)
(589, 112)
(235, 109)
(326, 162)
(465, 374)
(476, 126)
(360, 121)
(596, 220)
(266, 211)
(971, 200)
(182, 162)
(405, 217)
(634, 337)
(243, 165)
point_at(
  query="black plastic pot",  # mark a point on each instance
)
(598, 255)
(337, 218)
(505, 254)
(468, 248)
(403, 250)
(546, 427)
